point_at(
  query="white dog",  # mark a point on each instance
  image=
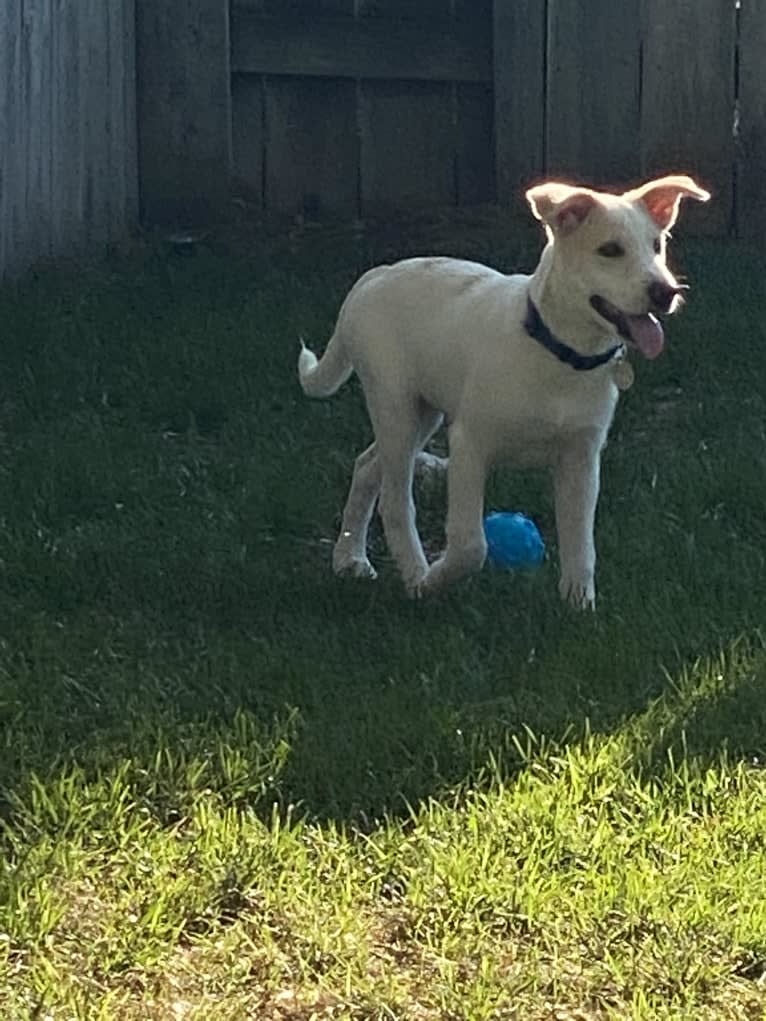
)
(523, 367)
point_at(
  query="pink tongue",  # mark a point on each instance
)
(646, 333)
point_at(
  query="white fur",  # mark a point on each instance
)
(436, 339)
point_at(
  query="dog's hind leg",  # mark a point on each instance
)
(349, 555)
(350, 552)
(401, 433)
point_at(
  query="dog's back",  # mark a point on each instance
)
(413, 327)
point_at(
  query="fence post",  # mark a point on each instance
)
(184, 109)
(519, 71)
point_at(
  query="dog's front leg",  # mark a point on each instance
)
(576, 483)
(466, 547)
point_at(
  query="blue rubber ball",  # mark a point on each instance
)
(513, 541)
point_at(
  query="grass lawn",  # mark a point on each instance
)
(234, 787)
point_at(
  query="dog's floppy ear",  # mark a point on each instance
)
(561, 207)
(663, 197)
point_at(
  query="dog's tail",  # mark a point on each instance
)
(321, 377)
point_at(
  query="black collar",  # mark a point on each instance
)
(536, 328)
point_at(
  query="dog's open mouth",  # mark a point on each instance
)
(644, 332)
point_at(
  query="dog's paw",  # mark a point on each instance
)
(426, 583)
(354, 567)
(430, 466)
(580, 595)
(414, 583)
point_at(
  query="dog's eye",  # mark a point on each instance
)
(611, 250)
(657, 246)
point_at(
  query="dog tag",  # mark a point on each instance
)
(623, 374)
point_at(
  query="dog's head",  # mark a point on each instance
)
(610, 251)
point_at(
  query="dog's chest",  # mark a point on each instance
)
(532, 427)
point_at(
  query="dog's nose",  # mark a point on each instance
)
(661, 295)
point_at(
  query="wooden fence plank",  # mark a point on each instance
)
(313, 149)
(13, 153)
(751, 179)
(122, 24)
(407, 141)
(593, 91)
(84, 174)
(20, 233)
(374, 48)
(184, 108)
(45, 33)
(130, 117)
(8, 18)
(475, 144)
(97, 155)
(519, 62)
(57, 139)
(36, 104)
(248, 138)
(67, 126)
(25, 241)
(115, 142)
(65, 134)
(687, 107)
(5, 13)
(85, 181)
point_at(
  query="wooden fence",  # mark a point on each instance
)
(359, 106)
(68, 166)
(353, 107)
(362, 109)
